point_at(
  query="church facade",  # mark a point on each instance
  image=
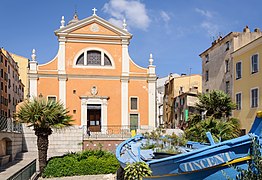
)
(95, 78)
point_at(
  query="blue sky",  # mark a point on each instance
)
(175, 32)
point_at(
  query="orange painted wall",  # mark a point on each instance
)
(48, 86)
(110, 88)
(107, 80)
(87, 30)
(139, 89)
(73, 49)
(51, 65)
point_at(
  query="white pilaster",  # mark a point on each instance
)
(61, 57)
(151, 103)
(83, 112)
(125, 57)
(124, 83)
(33, 86)
(33, 76)
(104, 112)
(124, 102)
(62, 90)
(151, 93)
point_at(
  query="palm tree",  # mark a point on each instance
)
(221, 129)
(43, 116)
(216, 103)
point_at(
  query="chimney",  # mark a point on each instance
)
(257, 30)
(246, 30)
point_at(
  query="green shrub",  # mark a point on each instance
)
(89, 162)
(137, 171)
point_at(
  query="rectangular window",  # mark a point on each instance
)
(51, 98)
(207, 58)
(227, 45)
(238, 70)
(134, 103)
(227, 65)
(254, 97)
(9, 98)
(207, 75)
(5, 63)
(181, 101)
(227, 87)
(254, 63)
(238, 101)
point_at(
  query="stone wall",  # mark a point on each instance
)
(11, 144)
(104, 144)
(60, 141)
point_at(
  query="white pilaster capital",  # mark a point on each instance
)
(62, 77)
(125, 41)
(124, 78)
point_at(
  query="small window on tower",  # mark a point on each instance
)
(51, 98)
(134, 105)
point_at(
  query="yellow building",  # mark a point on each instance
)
(22, 63)
(174, 87)
(247, 82)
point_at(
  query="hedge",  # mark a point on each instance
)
(89, 162)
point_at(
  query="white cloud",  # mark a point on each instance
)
(133, 11)
(211, 28)
(208, 23)
(206, 13)
(166, 18)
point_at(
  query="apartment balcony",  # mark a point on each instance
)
(9, 125)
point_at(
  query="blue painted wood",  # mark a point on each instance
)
(203, 162)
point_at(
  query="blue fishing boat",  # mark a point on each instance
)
(212, 161)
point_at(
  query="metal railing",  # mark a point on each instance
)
(25, 173)
(110, 131)
(9, 125)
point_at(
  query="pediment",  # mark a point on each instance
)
(93, 25)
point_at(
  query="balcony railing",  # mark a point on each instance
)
(9, 125)
(110, 131)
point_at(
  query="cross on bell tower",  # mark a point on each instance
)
(94, 11)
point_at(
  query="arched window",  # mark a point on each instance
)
(80, 59)
(107, 61)
(93, 58)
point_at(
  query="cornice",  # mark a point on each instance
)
(93, 41)
(78, 76)
(247, 47)
(84, 22)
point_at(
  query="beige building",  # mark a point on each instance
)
(174, 87)
(22, 63)
(247, 87)
(12, 88)
(217, 60)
